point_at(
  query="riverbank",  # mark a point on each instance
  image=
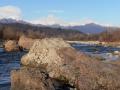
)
(113, 44)
(26, 43)
(85, 42)
(11, 60)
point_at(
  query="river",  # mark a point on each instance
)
(103, 52)
(8, 62)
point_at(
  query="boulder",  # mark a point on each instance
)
(64, 63)
(49, 53)
(28, 79)
(11, 45)
(115, 62)
(116, 53)
(25, 42)
(35, 79)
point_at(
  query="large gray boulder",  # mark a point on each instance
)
(50, 53)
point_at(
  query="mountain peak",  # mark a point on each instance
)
(91, 28)
(92, 24)
(10, 20)
(7, 20)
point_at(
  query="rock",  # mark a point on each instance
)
(52, 54)
(115, 62)
(25, 42)
(64, 63)
(109, 54)
(11, 45)
(116, 53)
(28, 79)
(96, 75)
(35, 79)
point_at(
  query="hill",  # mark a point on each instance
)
(90, 28)
(12, 29)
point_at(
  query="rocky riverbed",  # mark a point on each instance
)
(52, 64)
(11, 61)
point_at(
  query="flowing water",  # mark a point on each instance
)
(8, 62)
(11, 61)
(103, 52)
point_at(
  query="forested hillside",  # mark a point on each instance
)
(15, 30)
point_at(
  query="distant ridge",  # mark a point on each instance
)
(90, 28)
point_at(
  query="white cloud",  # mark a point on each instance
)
(55, 11)
(51, 19)
(10, 12)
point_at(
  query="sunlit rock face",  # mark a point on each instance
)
(28, 78)
(54, 54)
(11, 45)
(63, 63)
(45, 52)
(25, 42)
(31, 79)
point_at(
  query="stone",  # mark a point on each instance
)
(11, 45)
(28, 79)
(25, 42)
(116, 53)
(62, 62)
(35, 79)
(48, 53)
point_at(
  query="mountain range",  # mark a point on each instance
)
(91, 28)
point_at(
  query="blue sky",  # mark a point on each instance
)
(101, 11)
